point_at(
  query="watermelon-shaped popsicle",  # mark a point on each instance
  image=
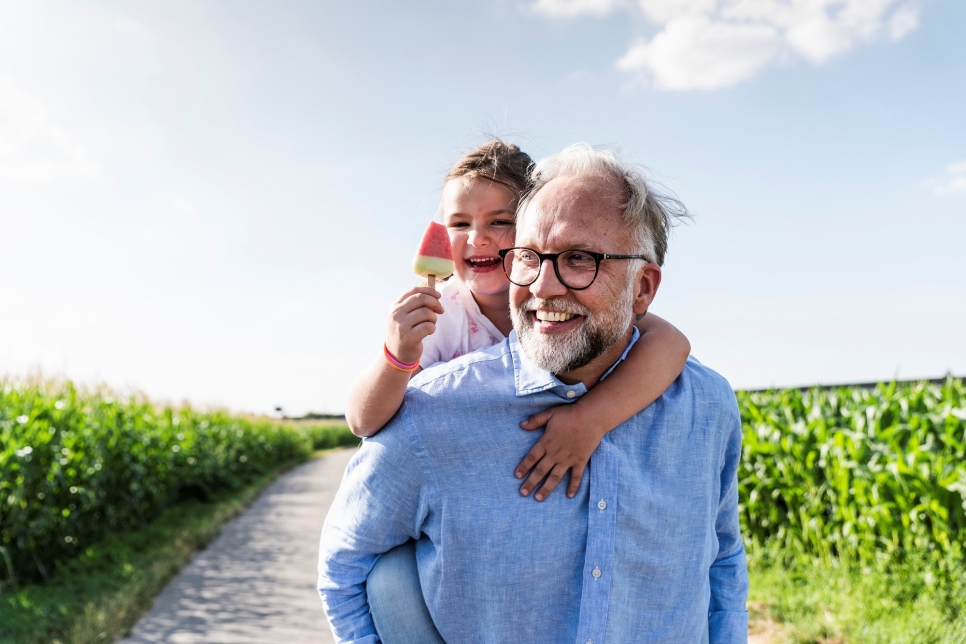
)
(435, 255)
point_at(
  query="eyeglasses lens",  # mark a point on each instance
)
(575, 268)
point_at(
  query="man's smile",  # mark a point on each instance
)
(554, 321)
(554, 316)
(542, 326)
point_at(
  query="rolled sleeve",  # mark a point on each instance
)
(728, 614)
(380, 504)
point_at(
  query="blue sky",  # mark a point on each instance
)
(218, 201)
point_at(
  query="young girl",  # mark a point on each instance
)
(472, 311)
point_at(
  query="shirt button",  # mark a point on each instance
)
(601, 504)
(596, 573)
(571, 393)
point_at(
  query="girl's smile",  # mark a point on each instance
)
(480, 215)
(483, 264)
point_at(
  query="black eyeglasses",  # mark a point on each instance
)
(576, 269)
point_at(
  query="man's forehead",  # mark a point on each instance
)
(575, 212)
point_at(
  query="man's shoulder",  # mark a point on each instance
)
(706, 385)
(708, 377)
(447, 397)
(444, 376)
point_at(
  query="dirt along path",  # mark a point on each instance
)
(257, 581)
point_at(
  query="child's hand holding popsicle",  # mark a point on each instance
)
(413, 316)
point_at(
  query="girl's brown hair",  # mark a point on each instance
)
(500, 162)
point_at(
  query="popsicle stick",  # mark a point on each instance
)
(432, 281)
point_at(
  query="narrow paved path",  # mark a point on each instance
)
(255, 583)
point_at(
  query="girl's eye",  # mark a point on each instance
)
(457, 224)
(503, 222)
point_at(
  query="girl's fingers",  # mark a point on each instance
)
(425, 290)
(404, 322)
(576, 476)
(535, 454)
(402, 298)
(418, 301)
(408, 331)
(538, 420)
(417, 317)
(412, 318)
(424, 329)
(552, 479)
(540, 470)
(428, 291)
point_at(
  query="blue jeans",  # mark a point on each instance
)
(396, 602)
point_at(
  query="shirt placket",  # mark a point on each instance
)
(599, 557)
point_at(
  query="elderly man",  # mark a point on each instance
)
(649, 550)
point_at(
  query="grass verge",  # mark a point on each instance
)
(99, 596)
(826, 604)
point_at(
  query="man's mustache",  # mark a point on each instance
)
(556, 305)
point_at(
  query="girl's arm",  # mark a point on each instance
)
(378, 392)
(575, 430)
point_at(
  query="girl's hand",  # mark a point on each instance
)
(566, 444)
(412, 318)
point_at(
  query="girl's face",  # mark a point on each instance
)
(479, 215)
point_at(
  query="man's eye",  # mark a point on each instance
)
(579, 261)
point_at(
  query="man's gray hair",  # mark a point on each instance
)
(650, 213)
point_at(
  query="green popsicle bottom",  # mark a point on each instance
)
(437, 266)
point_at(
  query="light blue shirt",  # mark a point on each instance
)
(648, 551)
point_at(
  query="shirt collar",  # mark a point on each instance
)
(528, 378)
(473, 309)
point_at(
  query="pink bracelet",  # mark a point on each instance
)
(396, 364)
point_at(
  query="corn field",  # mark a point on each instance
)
(75, 467)
(867, 476)
(863, 476)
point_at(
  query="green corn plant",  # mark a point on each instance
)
(864, 476)
(75, 466)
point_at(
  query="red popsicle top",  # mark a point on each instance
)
(435, 242)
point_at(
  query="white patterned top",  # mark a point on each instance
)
(461, 329)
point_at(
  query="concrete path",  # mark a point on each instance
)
(255, 583)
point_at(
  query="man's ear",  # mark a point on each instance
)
(645, 287)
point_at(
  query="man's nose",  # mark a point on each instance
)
(547, 284)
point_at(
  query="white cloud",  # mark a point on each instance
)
(950, 181)
(904, 20)
(729, 53)
(707, 44)
(32, 147)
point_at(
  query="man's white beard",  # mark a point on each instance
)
(563, 353)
